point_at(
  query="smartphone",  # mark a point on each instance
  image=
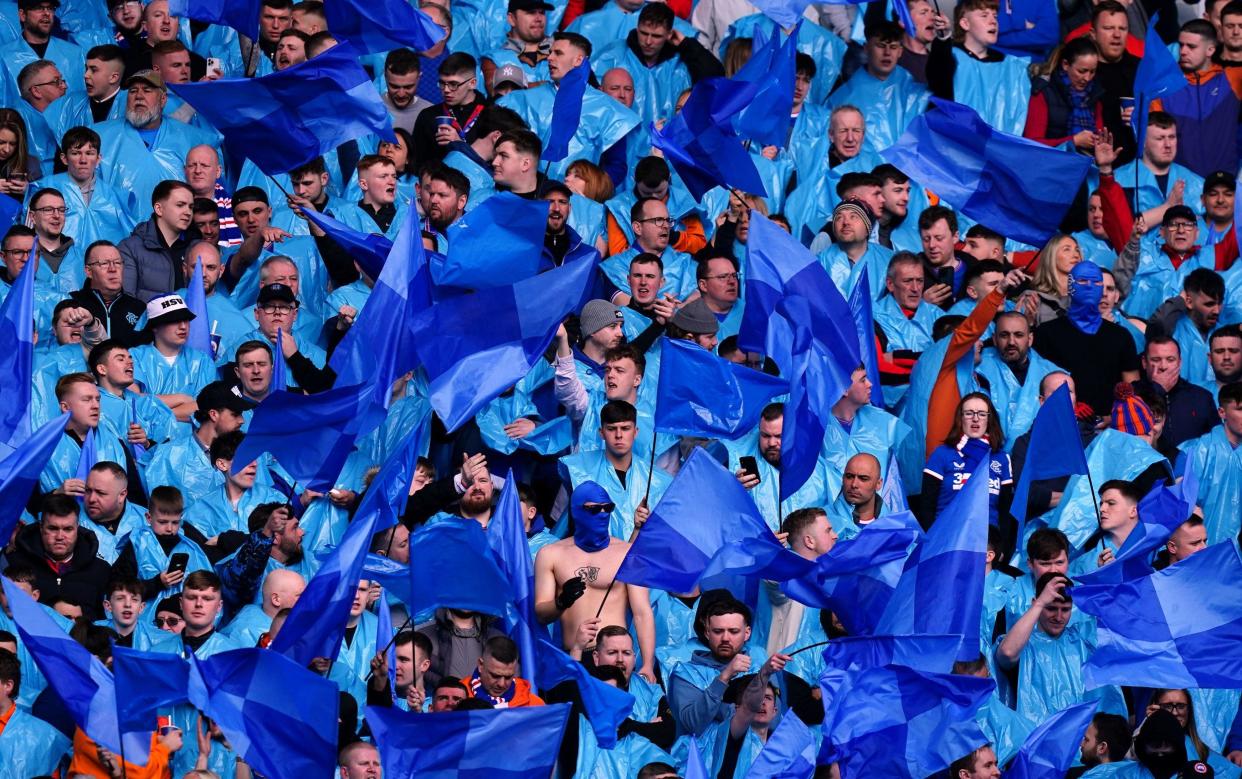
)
(178, 562)
(215, 66)
(945, 276)
(750, 465)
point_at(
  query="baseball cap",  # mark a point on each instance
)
(1220, 178)
(166, 309)
(277, 293)
(511, 73)
(27, 5)
(147, 77)
(219, 396)
(249, 194)
(1178, 212)
(529, 5)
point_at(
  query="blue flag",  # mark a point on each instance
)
(898, 722)
(767, 120)
(17, 358)
(789, 752)
(932, 653)
(457, 570)
(19, 472)
(505, 220)
(864, 321)
(1158, 76)
(241, 15)
(87, 458)
(476, 346)
(309, 435)
(384, 634)
(280, 371)
(1055, 449)
(892, 493)
(702, 394)
(196, 301)
(389, 574)
(470, 744)
(1018, 187)
(10, 209)
(728, 536)
(379, 347)
(1148, 634)
(694, 761)
(952, 557)
(701, 144)
(901, 9)
(377, 26)
(80, 680)
(506, 535)
(279, 716)
(856, 578)
(785, 13)
(312, 107)
(145, 683)
(369, 250)
(567, 111)
(1160, 512)
(605, 706)
(317, 623)
(1052, 748)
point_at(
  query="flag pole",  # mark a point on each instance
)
(1139, 143)
(809, 646)
(391, 641)
(646, 495)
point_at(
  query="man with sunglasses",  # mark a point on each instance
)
(456, 116)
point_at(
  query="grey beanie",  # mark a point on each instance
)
(596, 315)
(695, 317)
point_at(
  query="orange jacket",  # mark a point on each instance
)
(690, 239)
(946, 394)
(86, 760)
(522, 695)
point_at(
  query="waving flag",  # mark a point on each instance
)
(196, 301)
(702, 394)
(566, 111)
(457, 570)
(1158, 75)
(87, 458)
(369, 250)
(864, 322)
(377, 26)
(19, 472)
(17, 358)
(933, 653)
(606, 706)
(1052, 748)
(789, 752)
(504, 219)
(280, 370)
(506, 535)
(1055, 449)
(241, 15)
(767, 120)
(145, 683)
(1160, 512)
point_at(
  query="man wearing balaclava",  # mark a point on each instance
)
(1096, 352)
(574, 581)
(1160, 745)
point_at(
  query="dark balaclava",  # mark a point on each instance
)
(590, 528)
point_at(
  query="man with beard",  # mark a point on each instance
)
(1190, 409)
(448, 191)
(148, 552)
(290, 49)
(1014, 373)
(146, 147)
(764, 483)
(561, 243)
(471, 489)
(573, 578)
(1190, 318)
(287, 555)
(1225, 354)
(108, 513)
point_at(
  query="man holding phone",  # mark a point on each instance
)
(944, 268)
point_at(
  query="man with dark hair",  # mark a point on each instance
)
(1209, 140)
(154, 255)
(1191, 410)
(229, 506)
(944, 268)
(101, 79)
(527, 43)
(184, 462)
(96, 210)
(1107, 740)
(402, 69)
(887, 95)
(145, 420)
(462, 102)
(1215, 459)
(652, 227)
(1119, 517)
(1047, 551)
(765, 484)
(1191, 319)
(495, 680)
(515, 168)
(979, 764)
(64, 557)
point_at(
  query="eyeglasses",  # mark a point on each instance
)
(724, 276)
(171, 622)
(16, 252)
(49, 210)
(658, 221)
(601, 508)
(271, 308)
(974, 415)
(1181, 226)
(105, 264)
(60, 82)
(453, 86)
(1175, 708)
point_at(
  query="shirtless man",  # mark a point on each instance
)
(573, 575)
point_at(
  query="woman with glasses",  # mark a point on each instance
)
(1182, 707)
(976, 436)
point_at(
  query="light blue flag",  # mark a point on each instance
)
(729, 536)
(856, 578)
(1158, 75)
(280, 371)
(1149, 637)
(145, 683)
(17, 358)
(470, 744)
(702, 394)
(864, 321)
(899, 722)
(377, 26)
(952, 557)
(567, 111)
(766, 120)
(505, 220)
(309, 435)
(317, 623)
(278, 716)
(1052, 748)
(789, 752)
(893, 494)
(312, 107)
(476, 346)
(79, 679)
(456, 570)
(196, 301)
(932, 653)
(384, 635)
(241, 15)
(605, 706)
(369, 250)
(19, 472)
(379, 347)
(694, 761)
(1055, 448)
(86, 458)
(506, 535)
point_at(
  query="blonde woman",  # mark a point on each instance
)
(1048, 297)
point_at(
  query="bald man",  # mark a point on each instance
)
(281, 590)
(619, 85)
(859, 503)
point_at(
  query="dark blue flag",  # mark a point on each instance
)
(864, 320)
(377, 26)
(606, 706)
(312, 108)
(19, 471)
(369, 250)
(241, 15)
(507, 220)
(730, 536)
(1158, 76)
(280, 371)
(924, 652)
(476, 346)
(457, 570)
(566, 111)
(1171, 628)
(789, 752)
(1055, 449)
(506, 534)
(145, 683)
(470, 744)
(1160, 512)
(17, 358)
(768, 118)
(702, 394)
(1052, 748)
(1018, 187)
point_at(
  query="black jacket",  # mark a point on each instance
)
(83, 580)
(119, 317)
(153, 268)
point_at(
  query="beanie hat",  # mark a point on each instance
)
(596, 315)
(695, 317)
(858, 207)
(1130, 414)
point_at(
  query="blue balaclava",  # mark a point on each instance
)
(590, 528)
(1086, 287)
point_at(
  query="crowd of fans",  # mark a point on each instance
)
(126, 198)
